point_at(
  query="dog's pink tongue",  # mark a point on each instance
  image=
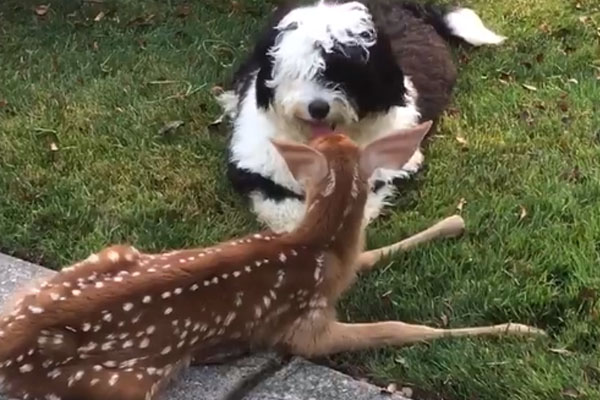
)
(320, 129)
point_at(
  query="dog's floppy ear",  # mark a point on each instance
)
(305, 163)
(392, 151)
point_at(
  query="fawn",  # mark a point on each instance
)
(121, 323)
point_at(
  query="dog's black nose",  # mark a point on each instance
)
(318, 109)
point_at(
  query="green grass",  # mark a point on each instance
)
(98, 93)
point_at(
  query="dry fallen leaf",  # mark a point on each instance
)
(444, 319)
(145, 20)
(453, 111)
(42, 10)
(170, 127)
(183, 10)
(570, 392)
(53, 146)
(401, 361)
(3, 103)
(461, 204)
(563, 105)
(572, 175)
(523, 213)
(544, 28)
(236, 6)
(529, 87)
(407, 392)
(218, 120)
(95, 46)
(573, 80)
(390, 389)
(562, 351)
(99, 17)
(217, 90)
(583, 19)
(461, 140)
(539, 58)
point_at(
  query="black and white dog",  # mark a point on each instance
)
(367, 69)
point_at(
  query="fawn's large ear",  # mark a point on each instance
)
(392, 151)
(304, 162)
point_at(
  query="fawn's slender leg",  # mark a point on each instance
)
(450, 227)
(340, 337)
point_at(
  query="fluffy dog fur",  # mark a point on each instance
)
(365, 68)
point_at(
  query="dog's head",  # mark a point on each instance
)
(326, 66)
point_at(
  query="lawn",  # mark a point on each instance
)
(86, 86)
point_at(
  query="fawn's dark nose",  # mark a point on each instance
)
(318, 109)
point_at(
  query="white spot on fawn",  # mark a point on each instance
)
(113, 379)
(55, 373)
(168, 310)
(127, 307)
(229, 318)
(267, 301)
(238, 299)
(36, 310)
(113, 256)
(282, 257)
(25, 368)
(107, 346)
(146, 299)
(78, 375)
(144, 343)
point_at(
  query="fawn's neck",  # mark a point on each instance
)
(334, 214)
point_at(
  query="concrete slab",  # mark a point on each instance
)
(217, 382)
(15, 273)
(303, 380)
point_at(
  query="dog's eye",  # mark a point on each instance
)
(366, 35)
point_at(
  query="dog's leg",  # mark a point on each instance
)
(450, 227)
(340, 337)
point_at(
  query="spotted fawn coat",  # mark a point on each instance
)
(121, 323)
